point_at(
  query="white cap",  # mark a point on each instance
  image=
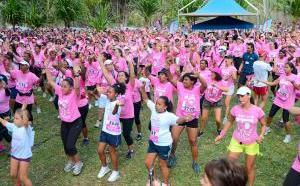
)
(207, 44)
(107, 62)
(243, 91)
(23, 62)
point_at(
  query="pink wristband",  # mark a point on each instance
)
(222, 134)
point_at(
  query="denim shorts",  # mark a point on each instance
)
(113, 140)
(162, 151)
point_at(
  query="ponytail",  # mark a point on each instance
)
(168, 103)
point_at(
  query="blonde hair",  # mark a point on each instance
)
(24, 114)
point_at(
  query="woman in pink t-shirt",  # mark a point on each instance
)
(229, 74)
(278, 68)
(245, 138)
(285, 98)
(25, 81)
(120, 62)
(213, 99)
(71, 123)
(189, 95)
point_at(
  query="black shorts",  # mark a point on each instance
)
(113, 140)
(13, 93)
(191, 124)
(36, 70)
(91, 88)
(242, 79)
(162, 151)
(237, 61)
(21, 159)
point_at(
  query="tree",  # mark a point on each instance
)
(34, 16)
(102, 18)
(68, 11)
(295, 8)
(146, 8)
(12, 12)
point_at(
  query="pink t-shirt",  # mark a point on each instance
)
(286, 94)
(121, 65)
(102, 81)
(136, 92)
(38, 59)
(227, 72)
(188, 101)
(83, 97)
(296, 164)
(24, 84)
(92, 73)
(162, 89)
(158, 62)
(212, 93)
(206, 74)
(238, 50)
(246, 123)
(280, 66)
(4, 102)
(128, 109)
(68, 105)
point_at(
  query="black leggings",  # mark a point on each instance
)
(285, 113)
(201, 103)
(84, 112)
(3, 130)
(292, 178)
(127, 128)
(69, 132)
(28, 108)
(274, 77)
(137, 110)
(55, 102)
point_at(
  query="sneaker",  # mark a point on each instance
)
(77, 168)
(279, 124)
(268, 130)
(85, 142)
(114, 176)
(287, 139)
(51, 99)
(38, 110)
(103, 171)
(138, 137)
(39, 89)
(98, 122)
(200, 134)
(69, 166)
(155, 182)
(58, 117)
(171, 161)
(196, 167)
(129, 154)
(225, 120)
(219, 131)
(44, 95)
(90, 106)
(96, 104)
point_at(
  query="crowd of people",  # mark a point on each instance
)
(116, 70)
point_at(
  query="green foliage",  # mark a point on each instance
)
(295, 8)
(34, 17)
(69, 11)
(242, 3)
(12, 12)
(102, 18)
(146, 8)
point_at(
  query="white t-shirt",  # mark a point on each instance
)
(22, 141)
(147, 83)
(160, 126)
(111, 123)
(261, 70)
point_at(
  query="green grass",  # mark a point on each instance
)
(48, 157)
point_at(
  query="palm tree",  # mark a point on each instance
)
(295, 8)
(102, 18)
(12, 12)
(146, 8)
(34, 16)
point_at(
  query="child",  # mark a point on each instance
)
(22, 141)
(160, 141)
(111, 130)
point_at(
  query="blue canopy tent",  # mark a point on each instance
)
(222, 9)
(223, 23)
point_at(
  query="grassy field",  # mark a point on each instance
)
(48, 156)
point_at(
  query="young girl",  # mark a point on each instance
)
(160, 141)
(22, 141)
(111, 130)
(245, 138)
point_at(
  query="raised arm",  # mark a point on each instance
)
(49, 76)
(131, 71)
(77, 78)
(3, 121)
(105, 72)
(144, 94)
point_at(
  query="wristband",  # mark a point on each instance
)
(222, 134)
